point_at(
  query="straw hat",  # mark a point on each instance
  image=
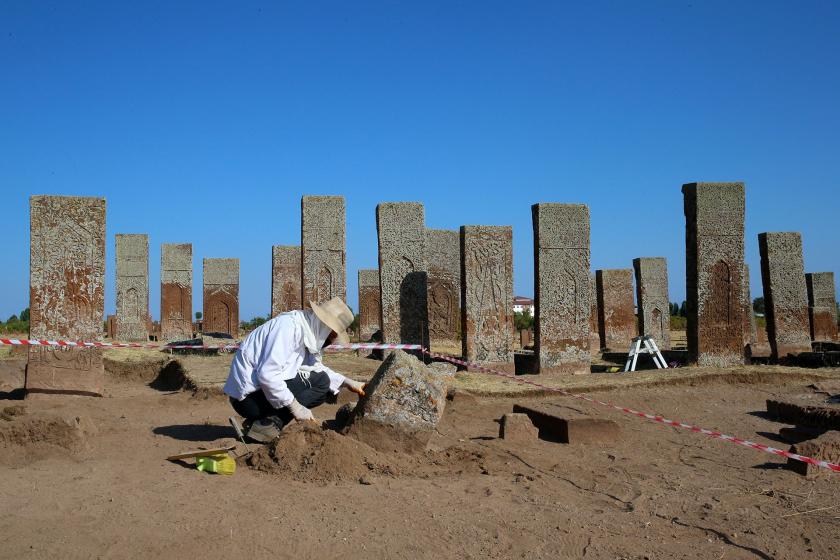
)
(336, 315)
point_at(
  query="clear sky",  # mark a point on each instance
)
(205, 122)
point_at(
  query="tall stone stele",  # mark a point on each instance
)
(402, 272)
(822, 306)
(487, 328)
(443, 256)
(654, 306)
(617, 320)
(785, 293)
(285, 279)
(323, 260)
(176, 291)
(370, 311)
(750, 327)
(132, 257)
(561, 288)
(66, 293)
(714, 240)
(221, 296)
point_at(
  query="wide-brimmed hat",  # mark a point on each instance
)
(336, 315)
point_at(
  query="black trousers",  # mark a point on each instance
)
(309, 393)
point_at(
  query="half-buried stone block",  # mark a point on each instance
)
(517, 428)
(824, 448)
(566, 425)
(404, 403)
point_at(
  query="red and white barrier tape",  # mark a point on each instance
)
(366, 346)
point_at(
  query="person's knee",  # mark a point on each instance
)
(321, 381)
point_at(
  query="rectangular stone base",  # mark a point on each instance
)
(565, 425)
(824, 448)
(71, 371)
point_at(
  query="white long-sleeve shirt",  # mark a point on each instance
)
(268, 357)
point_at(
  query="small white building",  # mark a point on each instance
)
(522, 303)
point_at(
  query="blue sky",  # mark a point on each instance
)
(205, 122)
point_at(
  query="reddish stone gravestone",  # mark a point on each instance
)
(369, 303)
(595, 344)
(617, 319)
(111, 327)
(285, 279)
(785, 293)
(487, 325)
(714, 239)
(751, 347)
(67, 292)
(221, 296)
(443, 257)
(132, 255)
(323, 268)
(822, 305)
(176, 291)
(652, 297)
(561, 288)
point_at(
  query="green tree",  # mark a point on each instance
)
(758, 305)
(12, 319)
(523, 320)
(683, 312)
(24, 315)
(198, 315)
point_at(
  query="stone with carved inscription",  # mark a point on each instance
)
(615, 305)
(221, 296)
(132, 256)
(176, 291)
(285, 279)
(323, 254)
(443, 258)
(369, 303)
(653, 301)
(822, 306)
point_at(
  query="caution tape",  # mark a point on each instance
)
(372, 346)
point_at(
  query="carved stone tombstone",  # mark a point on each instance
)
(594, 329)
(132, 253)
(785, 293)
(714, 239)
(285, 279)
(443, 256)
(487, 328)
(221, 296)
(369, 303)
(561, 288)
(176, 291)
(323, 268)
(66, 292)
(617, 319)
(652, 297)
(750, 330)
(822, 305)
(402, 269)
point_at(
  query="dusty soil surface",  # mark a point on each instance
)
(87, 477)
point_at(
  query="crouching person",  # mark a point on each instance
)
(277, 375)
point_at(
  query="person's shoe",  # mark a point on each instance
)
(265, 430)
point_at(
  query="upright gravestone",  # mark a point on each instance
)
(132, 286)
(369, 303)
(176, 291)
(443, 257)
(785, 293)
(221, 296)
(285, 279)
(652, 298)
(561, 288)
(487, 327)
(714, 239)
(822, 305)
(750, 330)
(617, 319)
(323, 268)
(402, 270)
(594, 329)
(66, 293)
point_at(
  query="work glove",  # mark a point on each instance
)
(356, 386)
(300, 412)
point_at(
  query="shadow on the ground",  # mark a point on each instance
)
(13, 395)
(764, 414)
(195, 432)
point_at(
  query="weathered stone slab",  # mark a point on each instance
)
(823, 448)
(561, 288)
(653, 301)
(66, 292)
(176, 291)
(323, 254)
(404, 403)
(285, 279)
(565, 425)
(132, 253)
(617, 319)
(402, 269)
(785, 293)
(714, 239)
(221, 296)
(750, 328)
(518, 428)
(443, 258)
(595, 344)
(370, 312)
(111, 327)
(487, 294)
(822, 305)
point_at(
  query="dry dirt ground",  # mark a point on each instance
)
(87, 477)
